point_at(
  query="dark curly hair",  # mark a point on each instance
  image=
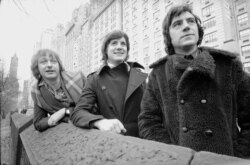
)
(174, 12)
(34, 62)
(116, 34)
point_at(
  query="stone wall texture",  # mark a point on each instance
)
(67, 144)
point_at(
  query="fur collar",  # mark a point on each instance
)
(216, 53)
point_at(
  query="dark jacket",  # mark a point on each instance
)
(198, 106)
(97, 92)
(45, 103)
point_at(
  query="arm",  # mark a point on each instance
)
(81, 115)
(243, 102)
(150, 120)
(40, 119)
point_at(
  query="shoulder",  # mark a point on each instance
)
(219, 53)
(91, 74)
(159, 62)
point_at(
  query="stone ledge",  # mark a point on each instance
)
(67, 144)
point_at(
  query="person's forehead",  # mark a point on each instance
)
(183, 16)
(118, 39)
(47, 55)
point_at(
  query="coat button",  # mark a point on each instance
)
(209, 132)
(189, 69)
(203, 101)
(103, 87)
(182, 101)
(184, 129)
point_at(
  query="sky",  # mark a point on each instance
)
(21, 24)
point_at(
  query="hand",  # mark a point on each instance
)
(113, 125)
(56, 117)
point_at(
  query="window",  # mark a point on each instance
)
(206, 12)
(209, 23)
(135, 55)
(245, 50)
(244, 33)
(241, 7)
(125, 3)
(135, 45)
(145, 5)
(242, 19)
(146, 51)
(146, 60)
(157, 24)
(205, 2)
(210, 37)
(157, 46)
(146, 40)
(157, 34)
(145, 23)
(156, 5)
(145, 31)
(156, 15)
(157, 55)
(145, 14)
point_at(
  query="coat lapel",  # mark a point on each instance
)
(136, 78)
(203, 65)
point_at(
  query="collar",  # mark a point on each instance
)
(190, 56)
(44, 83)
(129, 65)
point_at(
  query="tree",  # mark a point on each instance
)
(9, 95)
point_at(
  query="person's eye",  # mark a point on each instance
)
(192, 20)
(43, 62)
(54, 61)
(123, 43)
(177, 23)
(113, 42)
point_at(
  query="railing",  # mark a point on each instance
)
(67, 144)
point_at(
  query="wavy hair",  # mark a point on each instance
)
(40, 53)
(175, 12)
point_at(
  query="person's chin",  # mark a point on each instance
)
(51, 76)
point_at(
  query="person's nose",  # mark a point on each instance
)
(186, 26)
(119, 46)
(49, 63)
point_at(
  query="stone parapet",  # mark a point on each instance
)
(67, 144)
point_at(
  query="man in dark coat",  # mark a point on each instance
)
(196, 97)
(116, 88)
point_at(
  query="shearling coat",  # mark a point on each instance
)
(97, 91)
(204, 105)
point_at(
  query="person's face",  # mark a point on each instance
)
(117, 51)
(48, 67)
(184, 31)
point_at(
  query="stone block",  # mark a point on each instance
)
(67, 144)
(209, 158)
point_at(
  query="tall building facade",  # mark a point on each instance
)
(47, 39)
(107, 19)
(142, 21)
(242, 11)
(25, 96)
(13, 67)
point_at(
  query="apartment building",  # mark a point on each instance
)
(242, 8)
(226, 26)
(108, 18)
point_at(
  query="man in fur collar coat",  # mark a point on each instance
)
(196, 97)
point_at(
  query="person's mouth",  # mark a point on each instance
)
(50, 71)
(118, 52)
(187, 35)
